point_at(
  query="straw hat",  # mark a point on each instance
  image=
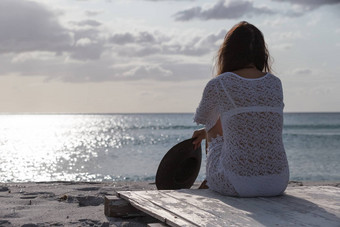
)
(179, 167)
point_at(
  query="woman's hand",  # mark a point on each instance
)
(199, 135)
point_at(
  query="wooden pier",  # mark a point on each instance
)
(299, 206)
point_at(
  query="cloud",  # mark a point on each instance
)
(88, 44)
(92, 23)
(86, 49)
(93, 13)
(158, 43)
(34, 43)
(301, 7)
(171, 71)
(147, 71)
(222, 10)
(125, 38)
(29, 26)
(310, 4)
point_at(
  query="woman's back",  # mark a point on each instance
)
(251, 116)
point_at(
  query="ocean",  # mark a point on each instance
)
(129, 147)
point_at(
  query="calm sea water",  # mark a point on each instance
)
(115, 147)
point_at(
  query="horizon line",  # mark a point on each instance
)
(131, 113)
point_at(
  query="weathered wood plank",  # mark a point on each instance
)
(210, 202)
(300, 206)
(117, 207)
(153, 210)
(185, 211)
(327, 197)
(273, 211)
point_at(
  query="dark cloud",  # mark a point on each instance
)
(124, 38)
(105, 70)
(165, 45)
(87, 50)
(92, 13)
(87, 44)
(29, 26)
(34, 42)
(222, 10)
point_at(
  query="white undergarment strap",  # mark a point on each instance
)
(253, 109)
(225, 90)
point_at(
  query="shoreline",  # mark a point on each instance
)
(68, 203)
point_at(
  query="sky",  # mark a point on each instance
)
(156, 56)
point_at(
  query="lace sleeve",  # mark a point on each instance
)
(207, 112)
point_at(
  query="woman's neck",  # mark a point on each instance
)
(250, 72)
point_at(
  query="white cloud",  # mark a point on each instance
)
(38, 55)
(147, 71)
(83, 42)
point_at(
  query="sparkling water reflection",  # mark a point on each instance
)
(86, 147)
(130, 146)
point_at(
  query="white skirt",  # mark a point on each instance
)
(221, 180)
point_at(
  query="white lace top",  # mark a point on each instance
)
(251, 112)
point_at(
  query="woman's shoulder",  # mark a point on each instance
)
(232, 78)
(220, 77)
(274, 78)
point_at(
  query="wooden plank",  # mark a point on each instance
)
(327, 197)
(117, 207)
(210, 202)
(282, 210)
(185, 211)
(311, 206)
(238, 211)
(153, 210)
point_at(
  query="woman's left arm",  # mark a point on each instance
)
(199, 135)
(207, 112)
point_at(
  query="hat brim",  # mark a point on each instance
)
(179, 167)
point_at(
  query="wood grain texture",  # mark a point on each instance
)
(299, 206)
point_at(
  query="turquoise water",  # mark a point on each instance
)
(115, 147)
